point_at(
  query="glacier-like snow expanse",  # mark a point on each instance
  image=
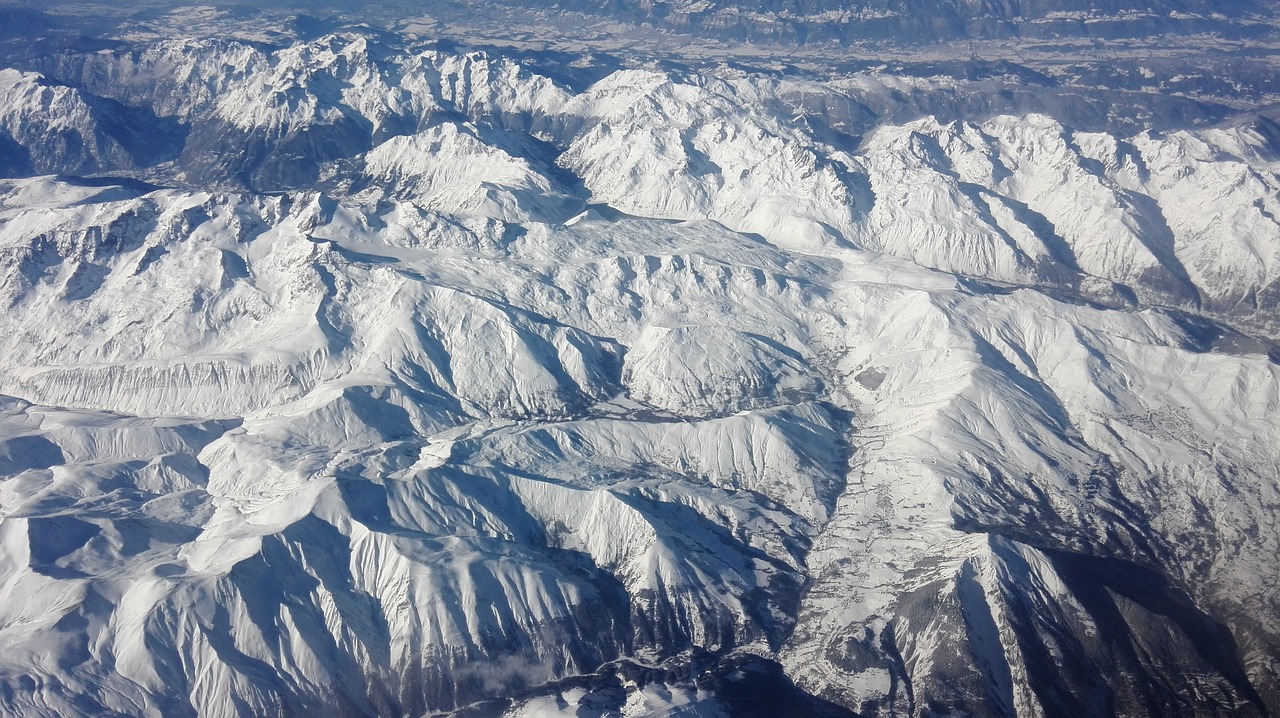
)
(355, 378)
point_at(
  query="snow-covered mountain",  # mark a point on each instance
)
(46, 127)
(410, 381)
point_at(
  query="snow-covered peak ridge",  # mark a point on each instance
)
(48, 127)
(661, 146)
(450, 168)
(1183, 219)
(298, 453)
(290, 112)
(308, 83)
(1186, 219)
(244, 306)
(483, 87)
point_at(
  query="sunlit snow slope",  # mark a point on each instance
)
(412, 380)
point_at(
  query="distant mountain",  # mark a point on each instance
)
(926, 20)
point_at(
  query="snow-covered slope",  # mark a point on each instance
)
(450, 168)
(1184, 219)
(46, 127)
(644, 397)
(1181, 219)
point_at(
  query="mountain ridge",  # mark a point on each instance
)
(419, 382)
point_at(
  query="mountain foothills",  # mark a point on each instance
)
(357, 377)
(926, 20)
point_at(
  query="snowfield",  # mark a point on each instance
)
(411, 380)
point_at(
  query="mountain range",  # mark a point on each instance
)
(360, 375)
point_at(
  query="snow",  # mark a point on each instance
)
(542, 380)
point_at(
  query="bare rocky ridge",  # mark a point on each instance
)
(410, 381)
